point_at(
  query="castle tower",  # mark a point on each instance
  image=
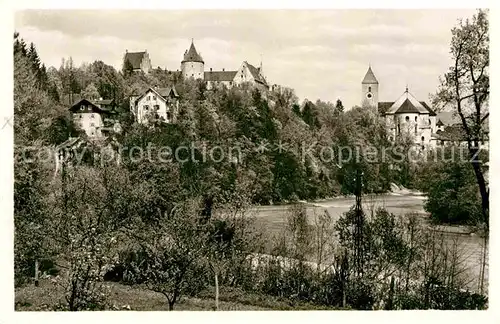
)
(369, 90)
(192, 66)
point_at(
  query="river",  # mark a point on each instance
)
(273, 218)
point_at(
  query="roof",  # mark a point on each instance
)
(384, 106)
(68, 143)
(255, 73)
(447, 118)
(135, 59)
(426, 106)
(220, 75)
(71, 99)
(162, 92)
(103, 102)
(192, 55)
(407, 107)
(370, 77)
(410, 103)
(95, 107)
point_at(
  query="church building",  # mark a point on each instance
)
(407, 116)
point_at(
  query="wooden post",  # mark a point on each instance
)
(216, 291)
(36, 273)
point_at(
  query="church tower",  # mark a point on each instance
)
(192, 66)
(369, 90)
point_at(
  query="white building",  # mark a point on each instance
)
(95, 117)
(406, 116)
(193, 66)
(156, 103)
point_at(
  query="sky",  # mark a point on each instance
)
(321, 54)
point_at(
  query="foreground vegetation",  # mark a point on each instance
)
(181, 230)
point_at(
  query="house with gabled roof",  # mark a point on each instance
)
(156, 103)
(96, 117)
(138, 61)
(406, 116)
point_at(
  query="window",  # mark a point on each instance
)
(415, 129)
(415, 118)
(169, 115)
(81, 116)
(442, 143)
(423, 138)
(92, 116)
(154, 97)
(149, 98)
(82, 107)
(399, 129)
(157, 107)
(146, 107)
(407, 118)
(91, 124)
(369, 89)
(429, 121)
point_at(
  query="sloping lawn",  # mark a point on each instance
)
(48, 296)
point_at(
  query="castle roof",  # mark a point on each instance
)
(220, 75)
(370, 77)
(256, 73)
(192, 55)
(135, 59)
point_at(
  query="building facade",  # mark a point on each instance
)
(157, 104)
(96, 118)
(138, 61)
(193, 66)
(406, 117)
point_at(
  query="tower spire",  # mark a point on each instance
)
(260, 67)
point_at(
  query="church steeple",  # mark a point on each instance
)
(370, 77)
(369, 90)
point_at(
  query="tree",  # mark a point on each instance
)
(465, 87)
(173, 262)
(339, 107)
(90, 92)
(310, 114)
(84, 227)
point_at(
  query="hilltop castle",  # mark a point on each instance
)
(193, 66)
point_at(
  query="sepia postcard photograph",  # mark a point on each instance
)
(250, 160)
